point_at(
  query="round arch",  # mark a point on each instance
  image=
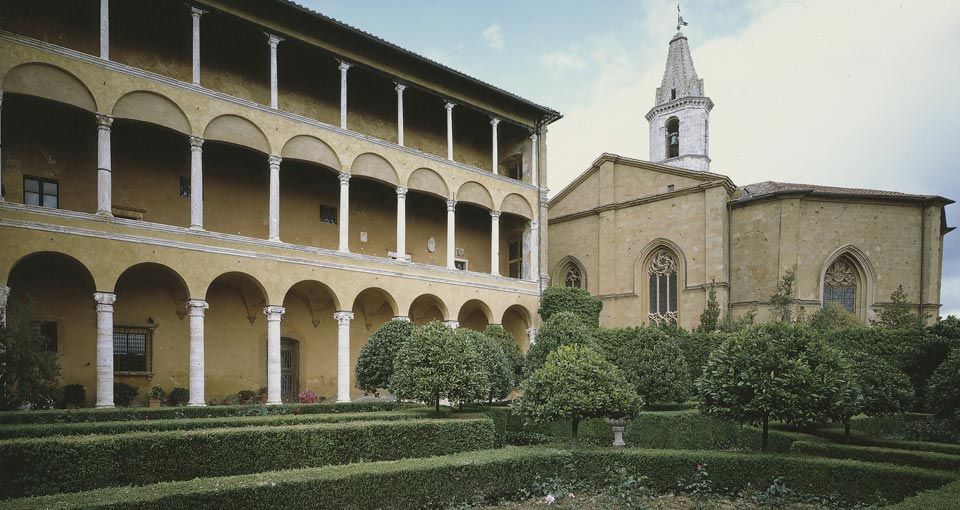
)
(373, 299)
(516, 320)
(474, 193)
(516, 204)
(49, 82)
(155, 276)
(153, 108)
(48, 260)
(426, 308)
(317, 295)
(475, 314)
(238, 131)
(375, 167)
(865, 275)
(559, 273)
(312, 150)
(430, 182)
(250, 290)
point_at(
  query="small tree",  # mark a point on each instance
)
(30, 372)
(833, 316)
(943, 388)
(711, 314)
(563, 328)
(498, 370)
(375, 363)
(436, 363)
(884, 389)
(898, 313)
(510, 349)
(783, 299)
(576, 383)
(555, 300)
(651, 359)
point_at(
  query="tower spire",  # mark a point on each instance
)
(680, 22)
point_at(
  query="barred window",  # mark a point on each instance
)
(662, 275)
(132, 349)
(840, 285)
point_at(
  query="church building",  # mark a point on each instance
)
(651, 238)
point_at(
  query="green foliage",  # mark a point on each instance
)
(833, 316)
(123, 393)
(948, 328)
(710, 317)
(697, 348)
(651, 360)
(576, 383)
(884, 388)
(944, 498)
(375, 363)
(499, 372)
(943, 389)
(731, 325)
(784, 297)
(437, 363)
(928, 460)
(30, 372)
(836, 434)
(50, 465)
(74, 395)
(510, 349)
(776, 371)
(157, 393)
(179, 397)
(581, 303)
(563, 328)
(898, 314)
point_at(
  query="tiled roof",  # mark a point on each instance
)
(771, 187)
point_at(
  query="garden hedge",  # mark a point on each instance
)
(49, 465)
(929, 460)
(944, 498)
(493, 475)
(835, 434)
(176, 412)
(120, 427)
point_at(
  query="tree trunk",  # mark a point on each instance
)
(763, 443)
(437, 400)
(846, 431)
(575, 422)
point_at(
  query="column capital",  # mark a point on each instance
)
(1, 96)
(495, 214)
(344, 178)
(274, 160)
(104, 300)
(4, 294)
(343, 318)
(196, 12)
(273, 312)
(543, 193)
(399, 87)
(452, 324)
(344, 66)
(534, 225)
(196, 306)
(494, 121)
(104, 121)
(449, 106)
(401, 318)
(273, 40)
(402, 192)
(196, 143)
(451, 205)
(533, 137)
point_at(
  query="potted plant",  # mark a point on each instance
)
(307, 397)
(231, 399)
(248, 397)
(74, 395)
(263, 394)
(155, 396)
(123, 393)
(179, 397)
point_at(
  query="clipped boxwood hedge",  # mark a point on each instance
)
(49, 465)
(835, 434)
(930, 460)
(120, 427)
(166, 413)
(492, 475)
(944, 498)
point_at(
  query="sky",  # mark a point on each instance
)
(858, 93)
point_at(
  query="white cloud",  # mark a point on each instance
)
(950, 296)
(494, 36)
(563, 61)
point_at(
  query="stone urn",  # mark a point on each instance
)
(617, 424)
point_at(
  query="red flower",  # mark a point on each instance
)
(699, 467)
(299, 410)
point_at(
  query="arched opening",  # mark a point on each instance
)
(475, 315)
(235, 339)
(516, 320)
(58, 292)
(426, 309)
(371, 309)
(673, 137)
(426, 219)
(236, 190)
(151, 338)
(843, 285)
(373, 217)
(310, 306)
(309, 204)
(662, 277)
(570, 273)
(513, 230)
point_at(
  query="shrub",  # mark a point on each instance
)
(833, 316)
(696, 348)
(123, 393)
(30, 371)
(898, 314)
(929, 460)
(651, 361)
(943, 390)
(498, 371)
(563, 328)
(944, 498)
(307, 397)
(50, 465)
(884, 389)
(510, 349)
(576, 383)
(437, 363)
(156, 393)
(377, 356)
(74, 395)
(710, 317)
(579, 302)
(179, 396)
(248, 397)
(784, 297)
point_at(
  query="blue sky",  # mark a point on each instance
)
(859, 93)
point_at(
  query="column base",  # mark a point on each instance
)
(198, 228)
(105, 214)
(396, 256)
(343, 250)
(274, 239)
(274, 403)
(340, 400)
(194, 404)
(104, 406)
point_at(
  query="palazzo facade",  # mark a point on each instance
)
(230, 195)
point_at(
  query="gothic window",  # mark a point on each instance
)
(840, 285)
(573, 277)
(673, 137)
(662, 275)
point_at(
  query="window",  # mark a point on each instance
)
(673, 138)
(328, 214)
(662, 275)
(573, 277)
(48, 330)
(42, 192)
(840, 285)
(671, 187)
(515, 259)
(132, 349)
(460, 264)
(184, 187)
(673, 94)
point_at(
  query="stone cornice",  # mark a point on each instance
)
(637, 201)
(922, 201)
(677, 104)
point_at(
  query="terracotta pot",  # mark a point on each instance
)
(155, 402)
(263, 398)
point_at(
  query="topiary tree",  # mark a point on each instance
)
(436, 363)
(562, 328)
(498, 371)
(555, 300)
(576, 383)
(510, 349)
(29, 373)
(884, 389)
(375, 363)
(784, 297)
(651, 359)
(696, 349)
(775, 371)
(710, 317)
(943, 389)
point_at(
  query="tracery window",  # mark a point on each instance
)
(663, 288)
(840, 285)
(573, 277)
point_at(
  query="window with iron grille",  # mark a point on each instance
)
(48, 331)
(662, 282)
(132, 349)
(840, 285)
(42, 192)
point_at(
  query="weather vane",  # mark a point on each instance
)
(680, 22)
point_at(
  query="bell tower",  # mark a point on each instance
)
(680, 118)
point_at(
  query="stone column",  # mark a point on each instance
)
(273, 314)
(343, 93)
(104, 177)
(105, 34)
(399, 88)
(534, 251)
(449, 106)
(401, 223)
(452, 324)
(105, 301)
(196, 309)
(273, 41)
(195, 13)
(196, 182)
(343, 355)
(532, 335)
(495, 164)
(495, 243)
(4, 295)
(1, 154)
(344, 213)
(533, 160)
(451, 233)
(274, 222)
